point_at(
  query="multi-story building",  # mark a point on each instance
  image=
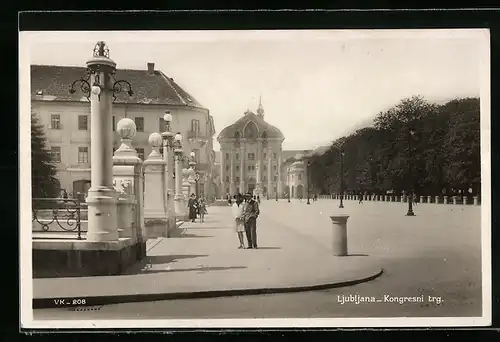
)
(251, 158)
(66, 118)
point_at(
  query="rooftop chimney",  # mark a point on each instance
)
(151, 69)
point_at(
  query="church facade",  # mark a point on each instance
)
(251, 157)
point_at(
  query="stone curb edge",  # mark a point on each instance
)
(46, 303)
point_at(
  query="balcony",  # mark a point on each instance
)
(194, 136)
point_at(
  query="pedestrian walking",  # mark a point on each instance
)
(202, 209)
(250, 214)
(193, 207)
(239, 221)
(360, 196)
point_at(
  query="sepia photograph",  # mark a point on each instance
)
(267, 178)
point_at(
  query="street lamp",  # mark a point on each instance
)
(288, 181)
(341, 179)
(410, 212)
(192, 164)
(307, 179)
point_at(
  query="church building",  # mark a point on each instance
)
(251, 157)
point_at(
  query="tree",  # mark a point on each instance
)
(44, 183)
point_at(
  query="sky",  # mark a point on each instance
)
(316, 86)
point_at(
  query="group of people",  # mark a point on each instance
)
(245, 209)
(197, 207)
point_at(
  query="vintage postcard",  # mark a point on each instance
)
(212, 179)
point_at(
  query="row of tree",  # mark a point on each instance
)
(445, 152)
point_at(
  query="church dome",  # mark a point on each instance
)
(250, 126)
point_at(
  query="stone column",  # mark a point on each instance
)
(102, 197)
(155, 200)
(339, 234)
(280, 183)
(269, 172)
(242, 169)
(178, 197)
(232, 187)
(223, 172)
(126, 181)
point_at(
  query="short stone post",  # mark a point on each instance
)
(437, 199)
(421, 199)
(339, 234)
(429, 199)
(464, 198)
(454, 199)
(445, 199)
(155, 214)
(476, 200)
(127, 180)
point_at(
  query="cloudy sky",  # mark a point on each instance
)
(315, 85)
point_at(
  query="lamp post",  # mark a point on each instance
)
(307, 179)
(168, 146)
(341, 179)
(178, 197)
(192, 164)
(410, 212)
(288, 181)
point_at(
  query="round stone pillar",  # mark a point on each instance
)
(445, 199)
(339, 234)
(102, 197)
(476, 200)
(437, 199)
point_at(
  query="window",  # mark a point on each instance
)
(83, 123)
(274, 155)
(55, 121)
(275, 178)
(265, 168)
(227, 167)
(139, 123)
(227, 179)
(237, 168)
(114, 123)
(162, 126)
(274, 167)
(237, 179)
(300, 176)
(251, 156)
(237, 156)
(227, 155)
(265, 155)
(55, 152)
(83, 154)
(140, 153)
(251, 168)
(195, 125)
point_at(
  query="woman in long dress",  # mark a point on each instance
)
(193, 207)
(202, 209)
(237, 210)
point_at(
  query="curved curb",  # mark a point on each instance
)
(46, 303)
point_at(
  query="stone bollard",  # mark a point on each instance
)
(454, 199)
(464, 200)
(445, 199)
(429, 199)
(476, 200)
(339, 234)
(385, 198)
(437, 199)
(421, 199)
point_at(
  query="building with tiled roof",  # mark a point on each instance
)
(66, 118)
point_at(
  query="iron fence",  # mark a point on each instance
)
(58, 213)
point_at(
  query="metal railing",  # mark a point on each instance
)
(58, 214)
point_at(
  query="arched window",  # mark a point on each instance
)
(195, 125)
(251, 131)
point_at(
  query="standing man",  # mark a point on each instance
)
(250, 214)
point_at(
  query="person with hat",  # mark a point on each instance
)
(250, 214)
